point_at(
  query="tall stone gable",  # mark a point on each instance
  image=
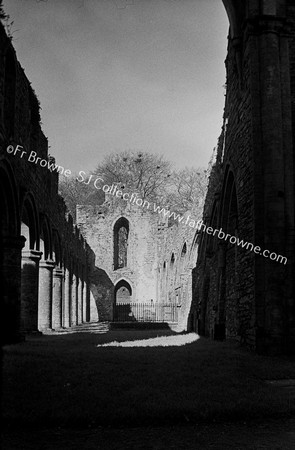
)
(98, 224)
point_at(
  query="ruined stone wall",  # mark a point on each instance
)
(150, 272)
(97, 226)
(45, 283)
(178, 249)
(225, 273)
(205, 270)
(252, 196)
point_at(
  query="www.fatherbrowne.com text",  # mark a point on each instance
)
(134, 198)
(186, 220)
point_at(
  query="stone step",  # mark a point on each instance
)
(95, 327)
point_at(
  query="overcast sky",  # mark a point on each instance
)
(113, 75)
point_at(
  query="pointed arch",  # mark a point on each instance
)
(29, 221)
(123, 292)
(120, 240)
(45, 245)
(9, 210)
(229, 203)
(183, 256)
(56, 249)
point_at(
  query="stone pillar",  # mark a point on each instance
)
(67, 300)
(274, 183)
(29, 290)
(220, 317)
(84, 305)
(45, 295)
(80, 301)
(74, 300)
(11, 247)
(57, 298)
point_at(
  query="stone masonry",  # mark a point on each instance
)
(44, 258)
(52, 278)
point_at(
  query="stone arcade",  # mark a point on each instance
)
(49, 275)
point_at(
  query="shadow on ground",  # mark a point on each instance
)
(66, 381)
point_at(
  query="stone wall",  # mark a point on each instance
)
(150, 271)
(97, 226)
(237, 293)
(44, 259)
(177, 256)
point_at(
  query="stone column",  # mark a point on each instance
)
(84, 306)
(29, 290)
(67, 300)
(74, 300)
(11, 247)
(80, 301)
(57, 298)
(220, 316)
(45, 295)
(274, 182)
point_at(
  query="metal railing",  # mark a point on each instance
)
(146, 312)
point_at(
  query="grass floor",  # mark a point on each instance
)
(70, 381)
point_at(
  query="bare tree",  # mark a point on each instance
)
(77, 193)
(187, 188)
(142, 172)
(147, 174)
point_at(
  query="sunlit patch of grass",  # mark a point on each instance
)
(159, 341)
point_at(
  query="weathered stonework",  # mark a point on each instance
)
(237, 293)
(150, 273)
(230, 292)
(97, 226)
(38, 241)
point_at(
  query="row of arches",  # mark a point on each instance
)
(173, 274)
(44, 280)
(218, 284)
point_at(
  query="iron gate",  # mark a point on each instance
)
(146, 312)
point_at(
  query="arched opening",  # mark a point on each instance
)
(164, 283)
(56, 250)
(171, 278)
(229, 205)
(211, 244)
(193, 253)
(121, 234)
(10, 256)
(67, 293)
(9, 219)
(123, 292)
(123, 307)
(46, 267)
(58, 282)
(203, 328)
(29, 226)
(30, 267)
(45, 240)
(227, 319)
(172, 261)
(183, 258)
